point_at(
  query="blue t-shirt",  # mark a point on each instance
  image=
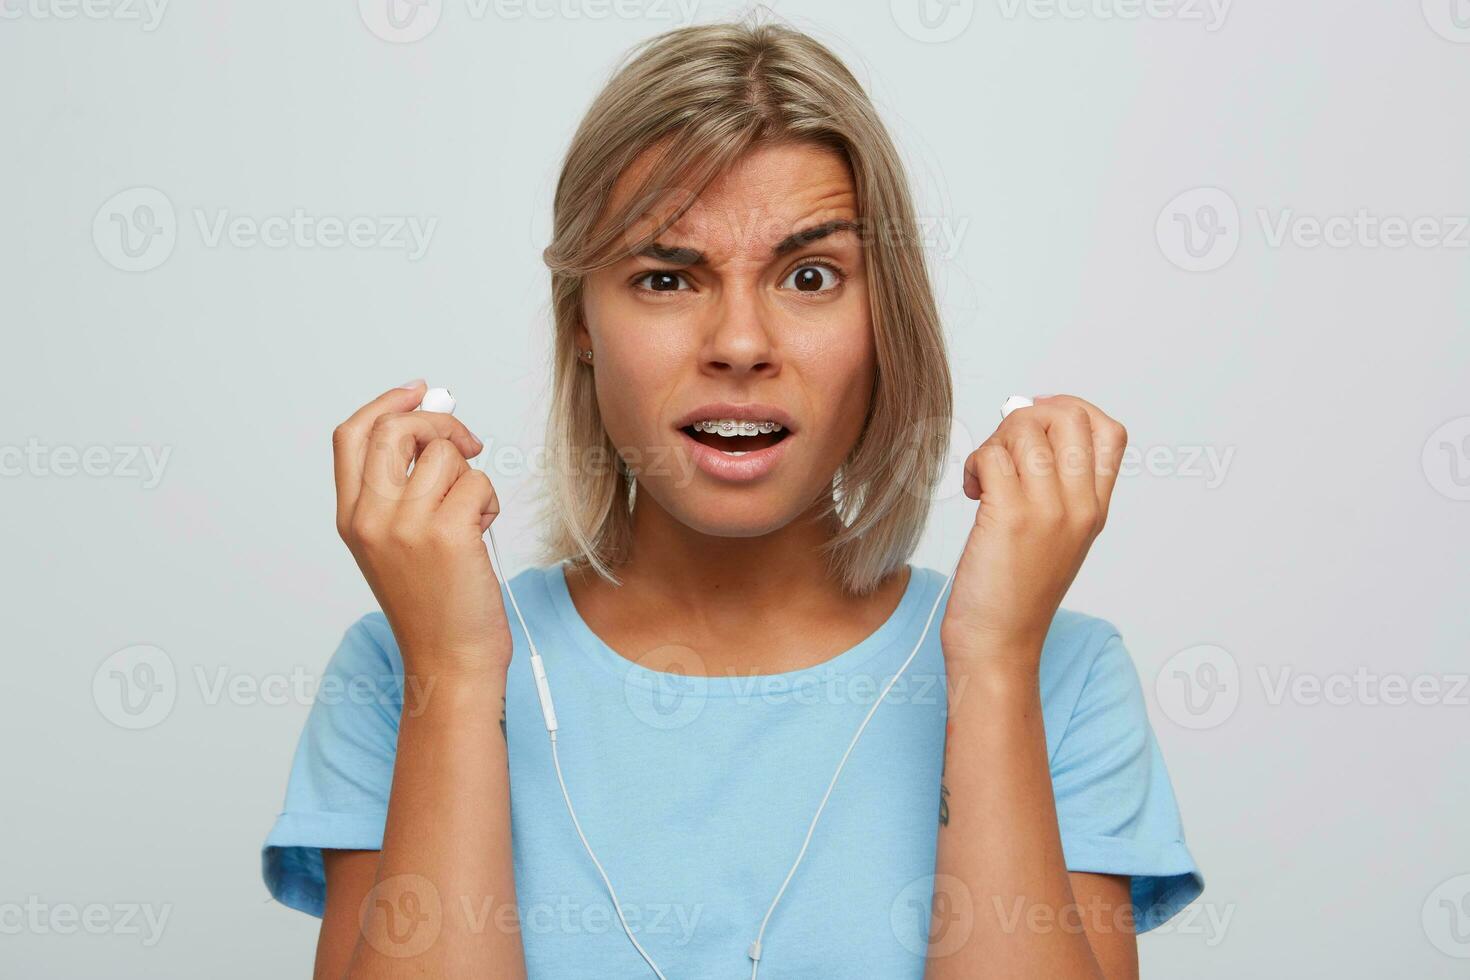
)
(696, 793)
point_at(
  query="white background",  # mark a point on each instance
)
(1046, 143)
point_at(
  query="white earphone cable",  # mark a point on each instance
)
(543, 691)
(755, 947)
(439, 400)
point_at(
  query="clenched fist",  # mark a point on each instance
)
(413, 513)
(1044, 480)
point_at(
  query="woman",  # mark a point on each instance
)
(750, 412)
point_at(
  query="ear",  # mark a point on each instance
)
(581, 336)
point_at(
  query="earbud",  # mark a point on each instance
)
(437, 400)
(1010, 405)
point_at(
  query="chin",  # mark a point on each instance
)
(736, 516)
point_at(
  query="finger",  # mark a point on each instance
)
(1024, 435)
(1069, 429)
(471, 501)
(397, 440)
(991, 473)
(349, 442)
(435, 470)
(1109, 440)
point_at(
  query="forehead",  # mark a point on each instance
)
(764, 197)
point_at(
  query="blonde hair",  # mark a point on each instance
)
(704, 96)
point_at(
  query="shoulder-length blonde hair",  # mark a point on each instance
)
(705, 95)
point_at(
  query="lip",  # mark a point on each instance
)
(749, 411)
(755, 464)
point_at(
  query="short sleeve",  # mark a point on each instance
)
(337, 794)
(1115, 805)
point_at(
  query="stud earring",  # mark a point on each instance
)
(587, 355)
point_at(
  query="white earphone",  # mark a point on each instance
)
(439, 400)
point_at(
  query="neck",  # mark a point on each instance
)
(762, 604)
(702, 571)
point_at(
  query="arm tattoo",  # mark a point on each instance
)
(503, 733)
(943, 789)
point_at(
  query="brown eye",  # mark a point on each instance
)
(662, 282)
(812, 279)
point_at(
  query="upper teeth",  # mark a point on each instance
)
(736, 427)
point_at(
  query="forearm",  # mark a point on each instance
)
(1000, 852)
(447, 838)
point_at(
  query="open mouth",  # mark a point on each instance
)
(734, 437)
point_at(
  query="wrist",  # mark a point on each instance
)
(1010, 663)
(453, 688)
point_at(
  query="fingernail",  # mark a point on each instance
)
(478, 441)
(412, 384)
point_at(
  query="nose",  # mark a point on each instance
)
(739, 343)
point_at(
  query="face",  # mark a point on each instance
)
(752, 309)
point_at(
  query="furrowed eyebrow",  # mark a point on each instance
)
(672, 255)
(808, 235)
(682, 256)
